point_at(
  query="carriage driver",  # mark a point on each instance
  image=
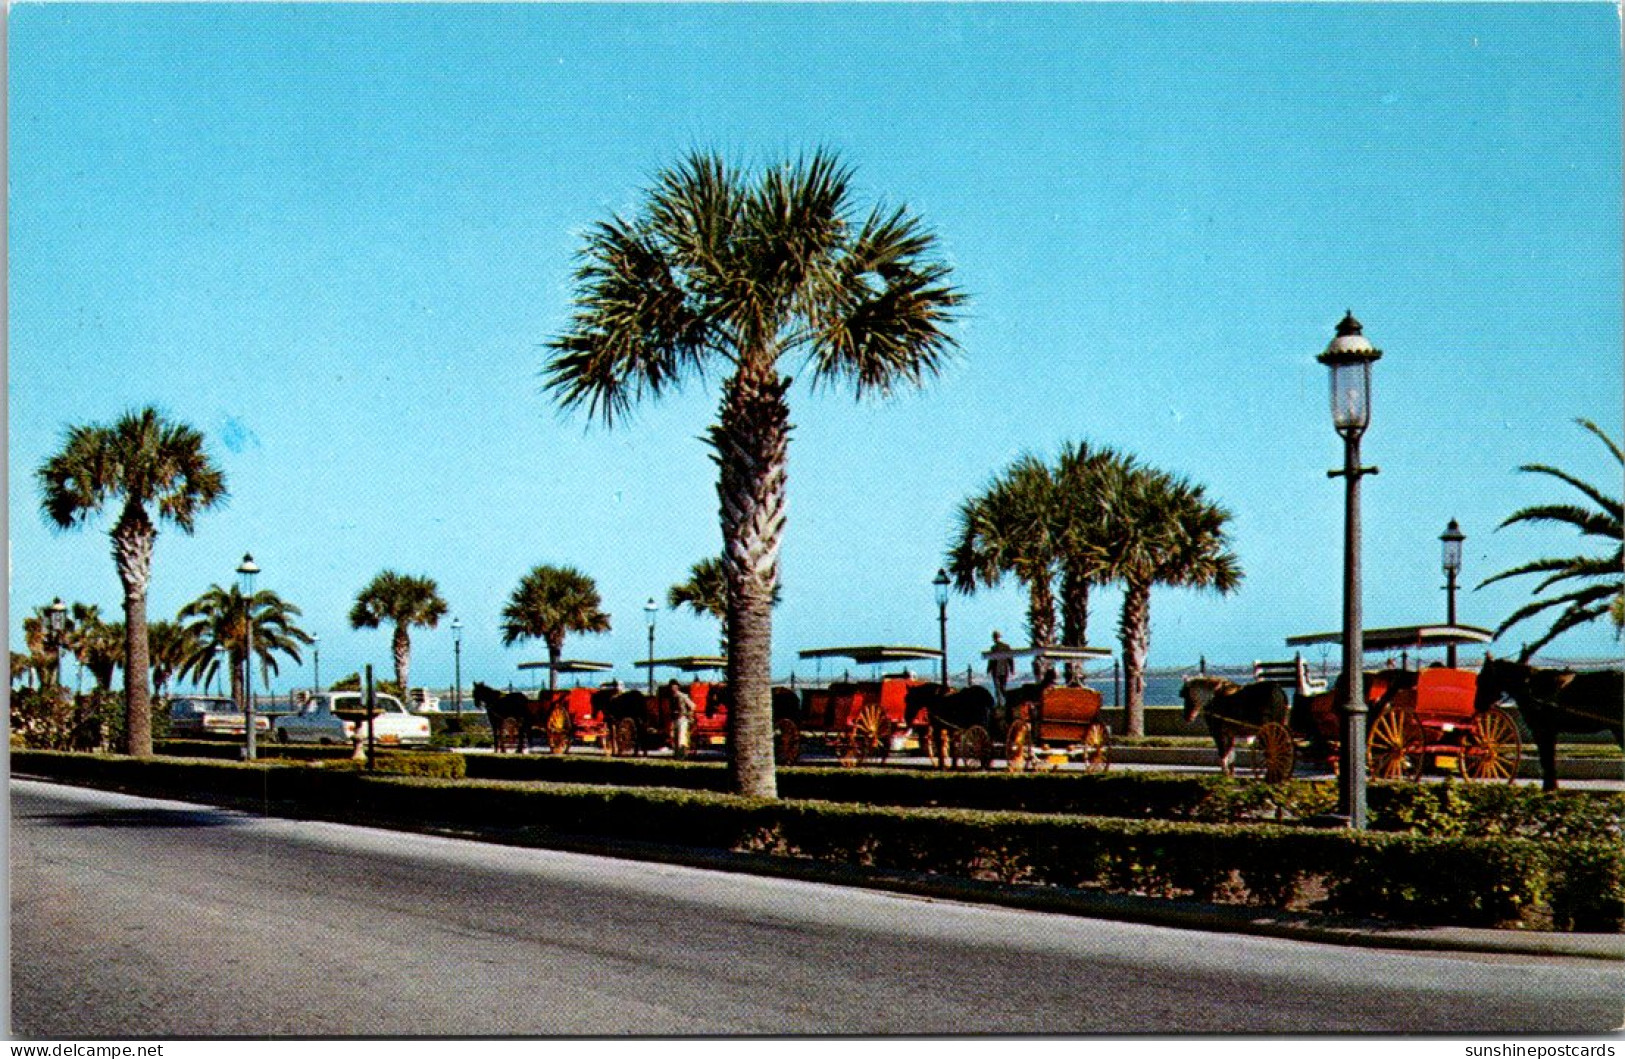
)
(682, 716)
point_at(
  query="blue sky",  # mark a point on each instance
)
(337, 238)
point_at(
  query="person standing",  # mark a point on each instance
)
(1000, 667)
(682, 718)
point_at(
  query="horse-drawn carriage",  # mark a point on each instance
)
(1040, 724)
(1429, 716)
(861, 720)
(658, 729)
(565, 715)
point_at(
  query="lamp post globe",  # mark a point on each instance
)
(247, 573)
(1349, 357)
(939, 585)
(1450, 560)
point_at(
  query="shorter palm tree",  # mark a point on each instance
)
(1009, 529)
(403, 601)
(170, 644)
(550, 603)
(216, 627)
(1164, 531)
(1601, 578)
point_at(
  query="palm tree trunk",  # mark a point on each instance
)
(1074, 616)
(133, 539)
(751, 439)
(1041, 619)
(402, 645)
(1135, 632)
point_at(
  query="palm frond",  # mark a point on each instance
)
(1613, 448)
(1609, 505)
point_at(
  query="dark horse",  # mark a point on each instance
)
(1318, 715)
(614, 706)
(946, 713)
(1554, 701)
(508, 710)
(1232, 709)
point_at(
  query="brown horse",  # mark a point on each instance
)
(613, 706)
(1232, 709)
(1318, 717)
(508, 711)
(1554, 701)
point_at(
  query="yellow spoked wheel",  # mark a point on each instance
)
(864, 739)
(1394, 747)
(1018, 747)
(560, 732)
(975, 747)
(1275, 753)
(787, 742)
(1491, 750)
(1095, 749)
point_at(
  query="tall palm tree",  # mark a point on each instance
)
(724, 272)
(216, 626)
(146, 465)
(1164, 532)
(404, 601)
(1009, 529)
(705, 593)
(550, 603)
(1601, 592)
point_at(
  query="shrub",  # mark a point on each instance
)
(410, 763)
(1588, 888)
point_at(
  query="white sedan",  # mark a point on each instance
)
(331, 717)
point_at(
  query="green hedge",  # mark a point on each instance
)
(1442, 809)
(1403, 877)
(411, 763)
(232, 749)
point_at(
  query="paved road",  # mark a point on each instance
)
(133, 917)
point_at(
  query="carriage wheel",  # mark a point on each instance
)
(867, 737)
(787, 742)
(1018, 747)
(1096, 755)
(1274, 753)
(559, 730)
(976, 747)
(1490, 751)
(625, 743)
(1394, 748)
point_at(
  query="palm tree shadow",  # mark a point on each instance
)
(154, 819)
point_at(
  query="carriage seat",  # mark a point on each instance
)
(1444, 695)
(1287, 675)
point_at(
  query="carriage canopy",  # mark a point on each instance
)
(571, 665)
(685, 663)
(873, 654)
(1059, 654)
(1402, 636)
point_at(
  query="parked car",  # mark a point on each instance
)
(423, 701)
(333, 717)
(209, 715)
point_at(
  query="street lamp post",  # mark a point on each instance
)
(651, 610)
(457, 654)
(316, 659)
(1350, 356)
(940, 585)
(1452, 538)
(56, 623)
(246, 573)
